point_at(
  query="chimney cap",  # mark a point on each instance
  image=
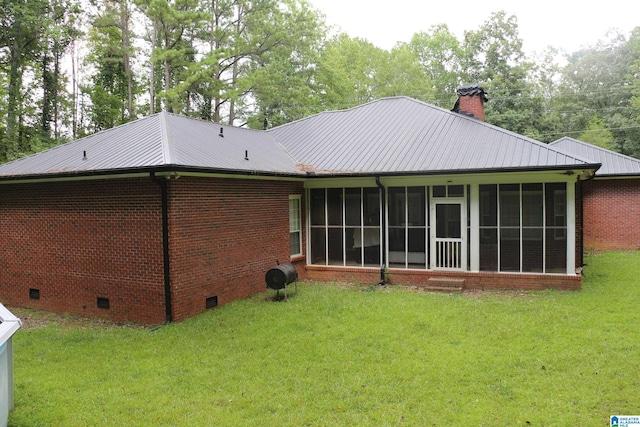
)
(472, 90)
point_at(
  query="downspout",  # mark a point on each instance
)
(383, 240)
(165, 244)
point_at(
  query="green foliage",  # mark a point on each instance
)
(334, 356)
(262, 63)
(113, 87)
(440, 56)
(597, 81)
(597, 134)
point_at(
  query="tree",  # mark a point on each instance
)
(494, 58)
(597, 134)
(60, 30)
(174, 25)
(282, 79)
(440, 55)
(347, 71)
(113, 88)
(21, 27)
(598, 81)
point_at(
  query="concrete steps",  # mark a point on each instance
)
(445, 284)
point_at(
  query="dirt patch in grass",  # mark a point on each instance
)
(34, 319)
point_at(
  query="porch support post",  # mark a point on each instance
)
(571, 228)
(474, 237)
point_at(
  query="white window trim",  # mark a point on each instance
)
(299, 227)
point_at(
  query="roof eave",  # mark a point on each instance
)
(588, 169)
(140, 171)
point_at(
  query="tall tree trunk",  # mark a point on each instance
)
(126, 47)
(56, 103)
(152, 75)
(74, 91)
(13, 92)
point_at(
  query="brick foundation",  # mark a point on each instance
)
(480, 280)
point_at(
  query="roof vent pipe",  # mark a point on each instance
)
(221, 134)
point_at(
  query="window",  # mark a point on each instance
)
(295, 226)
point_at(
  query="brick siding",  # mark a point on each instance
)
(611, 214)
(75, 242)
(225, 235)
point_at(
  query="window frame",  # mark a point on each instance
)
(295, 215)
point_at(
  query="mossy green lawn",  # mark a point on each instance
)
(336, 356)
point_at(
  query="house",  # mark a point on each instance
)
(611, 201)
(165, 217)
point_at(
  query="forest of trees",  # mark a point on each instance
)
(70, 68)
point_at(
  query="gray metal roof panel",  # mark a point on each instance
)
(127, 146)
(159, 140)
(197, 143)
(613, 164)
(405, 135)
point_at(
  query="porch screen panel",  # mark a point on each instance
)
(345, 226)
(371, 228)
(509, 196)
(556, 234)
(317, 199)
(397, 229)
(488, 227)
(335, 216)
(416, 227)
(354, 239)
(532, 228)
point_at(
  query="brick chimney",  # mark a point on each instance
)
(471, 101)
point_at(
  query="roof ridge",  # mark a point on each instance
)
(165, 139)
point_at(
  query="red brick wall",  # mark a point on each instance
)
(77, 241)
(225, 235)
(611, 214)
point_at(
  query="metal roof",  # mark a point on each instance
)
(160, 140)
(613, 164)
(389, 136)
(404, 135)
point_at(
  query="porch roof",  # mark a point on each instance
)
(613, 164)
(396, 135)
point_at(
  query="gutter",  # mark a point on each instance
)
(168, 168)
(383, 246)
(165, 244)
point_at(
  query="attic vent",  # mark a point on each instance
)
(103, 303)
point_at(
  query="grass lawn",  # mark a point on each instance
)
(349, 356)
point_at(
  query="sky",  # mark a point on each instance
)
(567, 25)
